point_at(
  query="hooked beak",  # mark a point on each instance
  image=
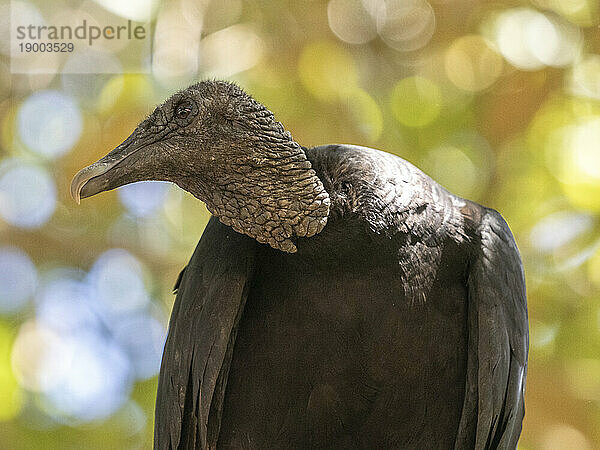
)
(82, 185)
(110, 172)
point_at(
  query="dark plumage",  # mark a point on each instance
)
(339, 299)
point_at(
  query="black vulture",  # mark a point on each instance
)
(338, 298)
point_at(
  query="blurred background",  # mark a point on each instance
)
(499, 101)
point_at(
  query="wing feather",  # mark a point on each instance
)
(211, 294)
(498, 342)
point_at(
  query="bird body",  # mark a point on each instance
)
(354, 303)
(334, 348)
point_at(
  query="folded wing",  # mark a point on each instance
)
(498, 341)
(211, 294)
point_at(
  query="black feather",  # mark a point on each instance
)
(402, 324)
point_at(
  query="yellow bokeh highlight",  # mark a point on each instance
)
(29, 354)
(572, 156)
(327, 71)
(567, 131)
(583, 195)
(585, 77)
(416, 101)
(10, 393)
(471, 64)
(452, 168)
(563, 436)
(127, 89)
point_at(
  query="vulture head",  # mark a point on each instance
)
(218, 143)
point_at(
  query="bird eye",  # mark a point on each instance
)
(183, 110)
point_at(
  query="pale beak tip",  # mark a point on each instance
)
(76, 190)
(82, 177)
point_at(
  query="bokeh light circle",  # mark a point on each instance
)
(327, 71)
(49, 123)
(406, 25)
(94, 380)
(559, 229)
(453, 169)
(530, 40)
(561, 436)
(584, 142)
(67, 305)
(143, 338)
(229, 51)
(82, 376)
(552, 41)
(471, 64)
(462, 164)
(18, 279)
(176, 46)
(143, 198)
(511, 37)
(350, 21)
(36, 348)
(27, 194)
(118, 279)
(416, 101)
(121, 90)
(138, 10)
(572, 156)
(585, 77)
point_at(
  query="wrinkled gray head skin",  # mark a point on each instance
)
(218, 143)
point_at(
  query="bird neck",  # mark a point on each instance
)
(272, 194)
